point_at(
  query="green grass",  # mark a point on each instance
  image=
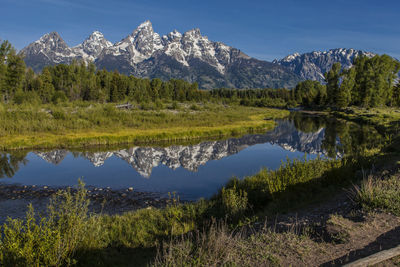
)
(290, 186)
(379, 194)
(89, 124)
(385, 119)
(219, 246)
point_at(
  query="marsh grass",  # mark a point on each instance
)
(379, 193)
(88, 124)
(385, 119)
(220, 246)
(293, 183)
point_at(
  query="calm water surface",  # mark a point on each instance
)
(192, 171)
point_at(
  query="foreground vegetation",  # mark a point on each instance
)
(68, 233)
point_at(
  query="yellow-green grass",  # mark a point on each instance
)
(385, 118)
(77, 126)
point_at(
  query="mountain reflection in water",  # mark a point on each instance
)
(144, 159)
(299, 132)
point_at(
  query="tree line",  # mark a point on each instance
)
(81, 81)
(370, 82)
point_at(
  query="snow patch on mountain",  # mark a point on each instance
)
(312, 66)
(91, 48)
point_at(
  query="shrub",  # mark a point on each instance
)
(58, 115)
(194, 107)
(109, 110)
(51, 240)
(59, 97)
(158, 104)
(234, 202)
(174, 105)
(26, 97)
(375, 193)
(207, 248)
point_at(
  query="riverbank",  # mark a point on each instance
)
(385, 119)
(304, 213)
(15, 199)
(44, 127)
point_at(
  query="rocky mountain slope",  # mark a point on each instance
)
(144, 53)
(51, 49)
(190, 56)
(312, 66)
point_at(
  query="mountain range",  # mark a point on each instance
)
(190, 56)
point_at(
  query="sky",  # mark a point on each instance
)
(268, 29)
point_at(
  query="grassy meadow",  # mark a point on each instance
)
(87, 124)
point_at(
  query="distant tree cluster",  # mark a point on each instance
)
(370, 82)
(81, 81)
(254, 97)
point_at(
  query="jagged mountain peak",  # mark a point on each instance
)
(96, 35)
(145, 25)
(51, 35)
(195, 33)
(91, 48)
(138, 46)
(173, 36)
(313, 65)
(190, 56)
(144, 30)
(52, 40)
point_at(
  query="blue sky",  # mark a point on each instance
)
(262, 29)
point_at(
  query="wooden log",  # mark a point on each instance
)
(126, 106)
(376, 258)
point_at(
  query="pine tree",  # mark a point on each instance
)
(14, 74)
(332, 82)
(343, 98)
(46, 91)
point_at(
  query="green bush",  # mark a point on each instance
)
(58, 115)
(194, 107)
(109, 110)
(50, 241)
(174, 105)
(234, 202)
(26, 98)
(158, 104)
(376, 193)
(59, 97)
(291, 184)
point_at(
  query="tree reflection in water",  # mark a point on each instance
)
(340, 137)
(10, 163)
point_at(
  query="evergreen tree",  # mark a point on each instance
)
(332, 83)
(343, 98)
(46, 91)
(14, 74)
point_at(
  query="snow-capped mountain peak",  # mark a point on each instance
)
(312, 66)
(174, 35)
(194, 33)
(52, 41)
(143, 53)
(91, 48)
